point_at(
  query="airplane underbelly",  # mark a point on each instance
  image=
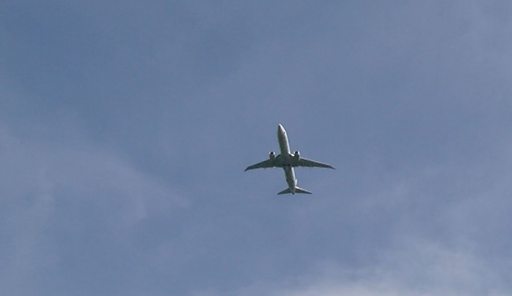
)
(290, 176)
(283, 144)
(284, 147)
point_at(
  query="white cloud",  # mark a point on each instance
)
(418, 268)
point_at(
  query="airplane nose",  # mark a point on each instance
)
(280, 127)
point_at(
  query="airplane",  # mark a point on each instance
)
(287, 161)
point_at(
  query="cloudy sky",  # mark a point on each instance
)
(125, 127)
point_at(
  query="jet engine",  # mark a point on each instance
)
(296, 155)
(272, 155)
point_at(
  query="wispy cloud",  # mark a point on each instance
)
(53, 191)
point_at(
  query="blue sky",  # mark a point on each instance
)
(125, 128)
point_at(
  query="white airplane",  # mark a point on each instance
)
(287, 161)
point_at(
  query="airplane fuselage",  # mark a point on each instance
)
(284, 146)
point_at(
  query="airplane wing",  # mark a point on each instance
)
(310, 163)
(269, 163)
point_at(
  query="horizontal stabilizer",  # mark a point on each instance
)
(297, 190)
(287, 190)
(301, 190)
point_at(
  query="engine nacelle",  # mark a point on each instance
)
(271, 155)
(296, 155)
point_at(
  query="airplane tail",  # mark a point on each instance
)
(297, 190)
